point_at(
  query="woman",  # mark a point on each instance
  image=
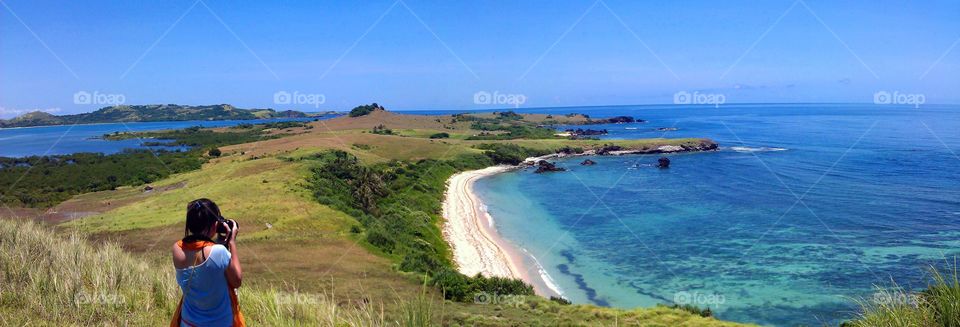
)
(208, 273)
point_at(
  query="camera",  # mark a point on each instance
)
(224, 232)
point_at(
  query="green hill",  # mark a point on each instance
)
(148, 113)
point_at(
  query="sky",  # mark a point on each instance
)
(411, 54)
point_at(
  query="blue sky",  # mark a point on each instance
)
(414, 54)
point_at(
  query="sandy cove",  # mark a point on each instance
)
(473, 239)
(476, 246)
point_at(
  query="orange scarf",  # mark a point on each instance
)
(234, 303)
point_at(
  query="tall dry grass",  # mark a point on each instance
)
(938, 305)
(49, 279)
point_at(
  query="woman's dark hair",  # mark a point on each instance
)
(201, 213)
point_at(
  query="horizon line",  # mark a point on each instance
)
(517, 108)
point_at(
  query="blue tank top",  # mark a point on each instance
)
(206, 297)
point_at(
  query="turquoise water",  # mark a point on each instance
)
(879, 201)
(66, 139)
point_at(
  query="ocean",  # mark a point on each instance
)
(805, 209)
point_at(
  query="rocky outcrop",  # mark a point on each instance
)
(621, 119)
(608, 149)
(617, 120)
(586, 132)
(703, 145)
(611, 120)
(697, 145)
(544, 166)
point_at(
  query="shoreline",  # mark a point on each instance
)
(470, 231)
(473, 238)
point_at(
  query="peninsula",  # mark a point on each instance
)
(149, 113)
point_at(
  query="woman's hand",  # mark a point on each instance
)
(232, 232)
(234, 273)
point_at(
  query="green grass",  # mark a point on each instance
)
(67, 281)
(938, 305)
(61, 281)
(255, 192)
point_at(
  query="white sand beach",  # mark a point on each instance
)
(470, 232)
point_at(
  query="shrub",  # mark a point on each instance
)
(382, 130)
(441, 135)
(692, 309)
(379, 238)
(398, 204)
(365, 109)
(454, 285)
(510, 154)
(215, 152)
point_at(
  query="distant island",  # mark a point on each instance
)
(152, 113)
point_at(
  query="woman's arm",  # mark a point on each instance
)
(179, 257)
(234, 272)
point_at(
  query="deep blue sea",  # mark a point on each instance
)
(65, 139)
(805, 208)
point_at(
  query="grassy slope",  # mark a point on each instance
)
(309, 247)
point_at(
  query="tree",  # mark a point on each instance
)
(367, 188)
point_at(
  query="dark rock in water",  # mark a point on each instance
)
(621, 119)
(667, 129)
(588, 162)
(663, 162)
(544, 166)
